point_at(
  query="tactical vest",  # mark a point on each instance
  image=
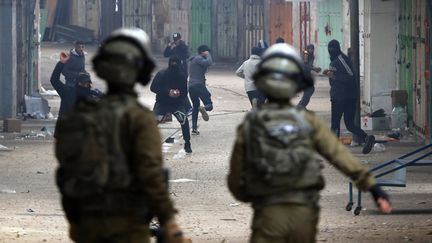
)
(88, 148)
(279, 153)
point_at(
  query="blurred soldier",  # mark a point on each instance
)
(198, 91)
(110, 163)
(308, 60)
(246, 71)
(170, 86)
(70, 94)
(344, 94)
(273, 165)
(75, 64)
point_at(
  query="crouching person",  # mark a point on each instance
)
(110, 163)
(272, 164)
(170, 86)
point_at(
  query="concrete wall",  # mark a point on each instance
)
(86, 13)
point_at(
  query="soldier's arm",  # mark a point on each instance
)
(328, 145)
(147, 165)
(236, 162)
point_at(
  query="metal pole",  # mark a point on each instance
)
(355, 53)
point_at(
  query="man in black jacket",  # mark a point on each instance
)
(170, 86)
(178, 48)
(69, 94)
(75, 64)
(343, 95)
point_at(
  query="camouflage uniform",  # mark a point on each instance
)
(123, 216)
(292, 216)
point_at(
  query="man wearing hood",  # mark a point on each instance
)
(170, 86)
(75, 64)
(246, 71)
(70, 94)
(343, 95)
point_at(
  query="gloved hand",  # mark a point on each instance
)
(173, 233)
(381, 199)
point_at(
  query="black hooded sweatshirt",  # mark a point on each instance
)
(69, 94)
(343, 86)
(171, 78)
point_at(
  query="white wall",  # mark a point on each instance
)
(380, 26)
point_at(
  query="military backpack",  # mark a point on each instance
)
(88, 148)
(278, 150)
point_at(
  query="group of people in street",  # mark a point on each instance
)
(343, 87)
(183, 76)
(110, 172)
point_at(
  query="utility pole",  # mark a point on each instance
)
(355, 52)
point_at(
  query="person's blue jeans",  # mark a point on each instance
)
(198, 93)
(347, 108)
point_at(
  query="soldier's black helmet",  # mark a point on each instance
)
(280, 74)
(131, 45)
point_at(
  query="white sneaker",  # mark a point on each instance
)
(354, 144)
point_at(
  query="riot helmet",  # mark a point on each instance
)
(280, 74)
(125, 58)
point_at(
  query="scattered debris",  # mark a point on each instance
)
(169, 140)
(180, 155)
(395, 135)
(7, 191)
(5, 149)
(48, 130)
(43, 91)
(181, 180)
(406, 238)
(379, 147)
(36, 107)
(35, 135)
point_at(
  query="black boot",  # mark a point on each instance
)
(369, 143)
(187, 147)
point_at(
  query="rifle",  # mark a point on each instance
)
(155, 229)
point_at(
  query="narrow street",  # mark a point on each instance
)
(29, 201)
